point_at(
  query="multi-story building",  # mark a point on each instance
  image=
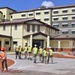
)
(38, 26)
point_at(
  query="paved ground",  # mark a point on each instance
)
(61, 66)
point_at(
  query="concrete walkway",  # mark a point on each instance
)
(60, 66)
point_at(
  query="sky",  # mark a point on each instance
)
(31, 4)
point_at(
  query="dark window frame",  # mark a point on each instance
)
(15, 27)
(33, 28)
(28, 28)
(65, 11)
(4, 27)
(46, 12)
(38, 28)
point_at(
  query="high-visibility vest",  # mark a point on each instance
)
(25, 49)
(50, 52)
(44, 53)
(35, 50)
(29, 49)
(16, 49)
(2, 55)
(40, 51)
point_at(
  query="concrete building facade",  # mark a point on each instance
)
(45, 26)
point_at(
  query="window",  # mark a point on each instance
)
(55, 19)
(73, 10)
(6, 42)
(65, 18)
(38, 28)
(65, 25)
(4, 16)
(56, 26)
(15, 28)
(55, 12)
(15, 42)
(65, 11)
(46, 12)
(73, 17)
(73, 31)
(73, 25)
(65, 31)
(33, 28)
(30, 14)
(28, 28)
(23, 15)
(38, 13)
(46, 19)
(4, 27)
(11, 16)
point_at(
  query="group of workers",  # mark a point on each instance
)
(44, 55)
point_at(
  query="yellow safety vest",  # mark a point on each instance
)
(35, 50)
(40, 51)
(29, 49)
(16, 49)
(51, 52)
(25, 49)
(44, 53)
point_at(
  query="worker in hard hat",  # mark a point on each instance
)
(50, 55)
(3, 58)
(40, 53)
(35, 51)
(17, 51)
(20, 52)
(44, 55)
(25, 51)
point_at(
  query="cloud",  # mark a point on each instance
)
(47, 3)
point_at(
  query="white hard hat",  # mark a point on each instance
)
(35, 45)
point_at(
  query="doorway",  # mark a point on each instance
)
(38, 43)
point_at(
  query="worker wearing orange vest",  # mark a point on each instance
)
(3, 58)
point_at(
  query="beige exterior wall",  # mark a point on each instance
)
(6, 31)
(17, 33)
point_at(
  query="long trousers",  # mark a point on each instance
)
(4, 63)
(44, 59)
(40, 57)
(35, 55)
(17, 54)
(49, 58)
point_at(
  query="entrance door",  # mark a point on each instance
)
(38, 43)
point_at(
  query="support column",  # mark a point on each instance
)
(59, 46)
(31, 37)
(3, 42)
(48, 41)
(70, 45)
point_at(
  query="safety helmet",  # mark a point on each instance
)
(35, 45)
(3, 48)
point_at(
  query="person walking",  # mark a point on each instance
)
(35, 50)
(20, 52)
(44, 55)
(29, 53)
(25, 51)
(16, 51)
(40, 53)
(50, 55)
(3, 58)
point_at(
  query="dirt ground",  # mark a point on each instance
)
(9, 62)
